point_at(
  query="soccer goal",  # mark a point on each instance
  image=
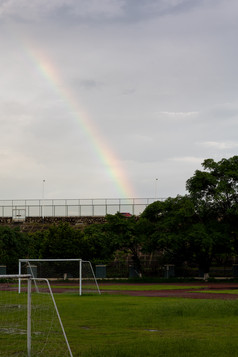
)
(66, 275)
(30, 324)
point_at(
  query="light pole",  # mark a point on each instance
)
(156, 188)
(43, 197)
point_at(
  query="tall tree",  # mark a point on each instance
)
(99, 243)
(126, 236)
(182, 234)
(216, 188)
(13, 246)
(62, 241)
(172, 219)
(214, 192)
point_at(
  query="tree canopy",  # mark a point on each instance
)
(216, 188)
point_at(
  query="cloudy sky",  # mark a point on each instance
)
(114, 98)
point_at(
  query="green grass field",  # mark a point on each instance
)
(225, 291)
(124, 326)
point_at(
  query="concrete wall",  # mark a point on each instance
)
(31, 224)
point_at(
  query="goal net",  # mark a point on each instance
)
(30, 324)
(66, 275)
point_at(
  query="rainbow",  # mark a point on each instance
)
(103, 151)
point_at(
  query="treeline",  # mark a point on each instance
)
(198, 229)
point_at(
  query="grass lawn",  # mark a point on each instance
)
(124, 326)
(225, 291)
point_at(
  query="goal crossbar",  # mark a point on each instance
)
(15, 276)
(49, 260)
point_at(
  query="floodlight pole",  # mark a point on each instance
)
(43, 197)
(156, 188)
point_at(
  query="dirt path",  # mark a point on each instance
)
(187, 292)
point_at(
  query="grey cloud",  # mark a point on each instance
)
(88, 84)
(224, 111)
(139, 9)
(220, 145)
(58, 9)
(103, 10)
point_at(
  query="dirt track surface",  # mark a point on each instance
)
(187, 292)
(201, 292)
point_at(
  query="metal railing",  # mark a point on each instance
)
(20, 209)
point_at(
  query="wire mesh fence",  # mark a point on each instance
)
(20, 209)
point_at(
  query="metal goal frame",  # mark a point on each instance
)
(80, 262)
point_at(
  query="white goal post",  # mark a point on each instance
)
(77, 270)
(30, 323)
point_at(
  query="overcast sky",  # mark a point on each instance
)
(100, 98)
